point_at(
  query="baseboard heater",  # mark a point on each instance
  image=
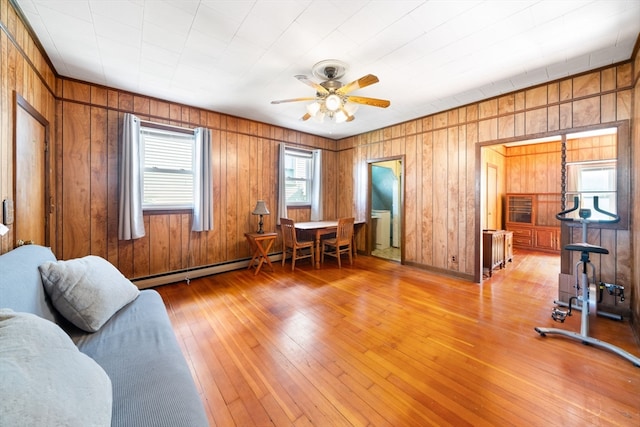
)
(194, 273)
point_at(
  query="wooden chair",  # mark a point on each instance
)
(291, 244)
(342, 244)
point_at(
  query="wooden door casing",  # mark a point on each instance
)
(492, 198)
(31, 184)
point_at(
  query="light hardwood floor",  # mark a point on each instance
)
(379, 344)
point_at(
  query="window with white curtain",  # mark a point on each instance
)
(589, 179)
(298, 177)
(167, 162)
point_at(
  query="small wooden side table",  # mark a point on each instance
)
(260, 244)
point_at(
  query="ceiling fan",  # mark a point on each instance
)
(332, 98)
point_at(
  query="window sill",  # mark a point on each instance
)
(167, 211)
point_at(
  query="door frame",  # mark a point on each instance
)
(22, 103)
(370, 163)
(623, 184)
(496, 217)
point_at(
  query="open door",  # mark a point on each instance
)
(31, 184)
(385, 208)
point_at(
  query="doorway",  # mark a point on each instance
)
(534, 169)
(32, 182)
(385, 208)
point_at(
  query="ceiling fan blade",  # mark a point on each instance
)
(320, 89)
(374, 102)
(294, 100)
(365, 81)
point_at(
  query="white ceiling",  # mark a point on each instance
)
(235, 56)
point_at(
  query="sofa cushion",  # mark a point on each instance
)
(20, 283)
(46, 380)
(87, 291)
(152, 383)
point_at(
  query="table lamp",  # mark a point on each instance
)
(260, 209)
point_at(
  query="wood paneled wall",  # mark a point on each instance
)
(442, 217)
(441, 214)
(245, 161)
(24, 71)
(534, 168)
(85, 124)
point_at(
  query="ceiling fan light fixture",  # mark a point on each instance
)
(333, 102)
(313, 108)
(340, 117)
(334, 99)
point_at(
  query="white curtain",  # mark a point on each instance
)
(282, 197)
(316, 190)
(130, 221)
(202, 181)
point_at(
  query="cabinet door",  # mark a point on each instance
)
(545, 238)
(520, 209)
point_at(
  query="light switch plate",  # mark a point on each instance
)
(7, 212)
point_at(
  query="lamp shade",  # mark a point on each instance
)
(333, 102)
(313, 109)
(261, 208)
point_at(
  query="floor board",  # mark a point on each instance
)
(380, 344)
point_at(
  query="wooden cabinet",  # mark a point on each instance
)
(531, 218)
(522, 236)
(497, 249)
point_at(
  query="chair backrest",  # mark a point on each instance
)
(344, 233)
(288, 231)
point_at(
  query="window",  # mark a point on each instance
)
(298, 177)
(167, 158)
(589, 179)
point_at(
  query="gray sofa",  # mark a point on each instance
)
(151, 384)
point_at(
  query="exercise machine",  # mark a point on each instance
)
(586, 288)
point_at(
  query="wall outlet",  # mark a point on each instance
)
(453, 258)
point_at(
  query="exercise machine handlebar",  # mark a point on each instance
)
(585, 213)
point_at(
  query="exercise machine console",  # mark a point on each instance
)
(584, 285)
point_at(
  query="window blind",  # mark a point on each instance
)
(298, 176)
(167, 169)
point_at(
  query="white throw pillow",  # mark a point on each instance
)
(87, 291)
(46, 380)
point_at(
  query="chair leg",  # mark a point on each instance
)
(294, 252)
(338, 256)
(350, 255)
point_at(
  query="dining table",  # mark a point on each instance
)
(322, 228)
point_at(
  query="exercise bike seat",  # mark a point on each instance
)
(586, 247)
